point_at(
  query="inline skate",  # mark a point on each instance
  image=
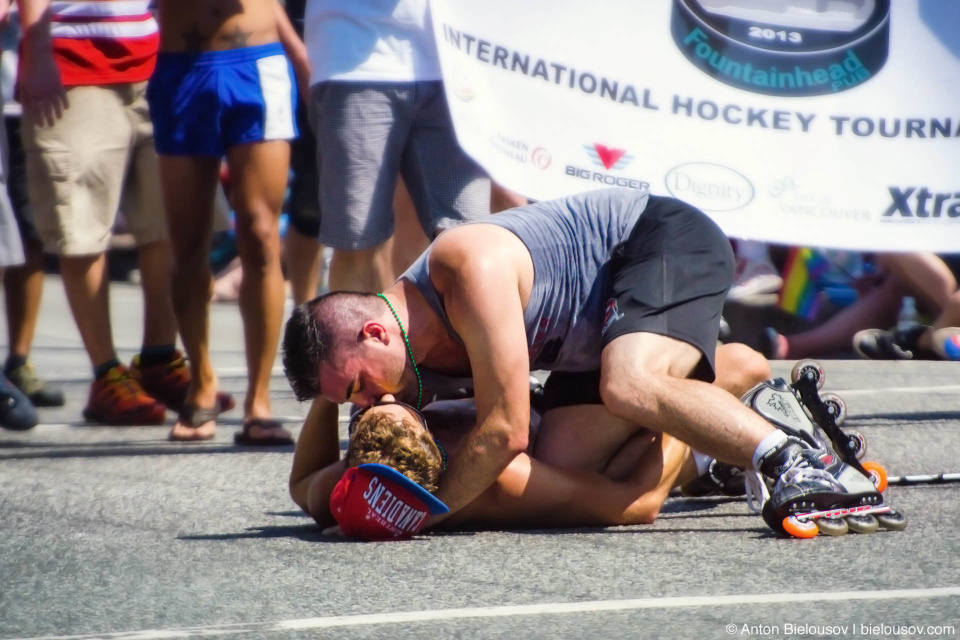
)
(808, 486)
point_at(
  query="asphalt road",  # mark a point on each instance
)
(115, 532)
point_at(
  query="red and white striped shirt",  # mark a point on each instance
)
(104, 41)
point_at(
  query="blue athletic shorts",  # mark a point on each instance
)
(203, 104)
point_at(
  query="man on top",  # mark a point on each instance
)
(617, 292)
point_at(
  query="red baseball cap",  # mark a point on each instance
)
(377, 502)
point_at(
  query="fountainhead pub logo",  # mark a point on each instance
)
(785, 48)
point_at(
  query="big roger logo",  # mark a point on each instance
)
(608, 158)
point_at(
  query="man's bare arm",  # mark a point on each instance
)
(40, 88)
(482, 300)
(530, 493)
(318, 446)
(295, 49)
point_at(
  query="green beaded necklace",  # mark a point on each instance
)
(406, 341)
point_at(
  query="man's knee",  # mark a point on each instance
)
(635, 372)
(258, 239)
(634, 395)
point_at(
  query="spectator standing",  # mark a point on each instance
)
(88, 143)
(22, 284)
(378, 110)
(16, 411)
(223, 86)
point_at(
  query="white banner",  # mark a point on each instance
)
(828, 123)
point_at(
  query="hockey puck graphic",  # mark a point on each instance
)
(785, 47)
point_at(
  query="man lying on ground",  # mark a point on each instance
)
(618, 283)
(627, 488)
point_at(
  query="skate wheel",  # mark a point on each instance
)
(832, 526)
(861, 443)
(877, 474)
(810, 369)
(835, 406)
(892, 521)
(798, 529)
(862, 524)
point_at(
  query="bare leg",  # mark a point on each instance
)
(188, 192)
(259, 177)
(365, 270)
(878, 308)
(409, 240)
(644, 380)
(589, 436)
(160, 322)
(86, 283)
(740, 368)
(23, 289)
(923, 275)
(304, 255)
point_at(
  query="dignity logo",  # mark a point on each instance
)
(708, 186)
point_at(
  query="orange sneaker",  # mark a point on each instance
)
(168, 382)
(118, 399)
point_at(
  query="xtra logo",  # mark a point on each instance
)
(708, 186)
(610, 159)
(616, 159)
(910, 203)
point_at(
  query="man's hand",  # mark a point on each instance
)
(4, 11)
(41, 90)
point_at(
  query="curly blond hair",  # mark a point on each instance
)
(384, 439)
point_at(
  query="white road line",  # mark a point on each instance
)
(947, 388)
(550, 608)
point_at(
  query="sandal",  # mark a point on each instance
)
(194, 418)
(243, 437)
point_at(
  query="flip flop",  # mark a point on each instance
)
(194, 418)
(243, 437)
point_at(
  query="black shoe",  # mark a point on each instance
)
(720, 479)
(16, 411)
(900, 344)
(40, 392)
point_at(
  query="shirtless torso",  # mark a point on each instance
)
(216, 25)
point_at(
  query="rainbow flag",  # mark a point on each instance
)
(799, 294)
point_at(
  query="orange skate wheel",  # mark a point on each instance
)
(798, 529)
(878, 474)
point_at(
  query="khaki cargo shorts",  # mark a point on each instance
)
(96, 160)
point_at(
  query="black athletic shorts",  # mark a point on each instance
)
(304, 203)
(670, 277)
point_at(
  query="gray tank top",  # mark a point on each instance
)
(570, 241)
